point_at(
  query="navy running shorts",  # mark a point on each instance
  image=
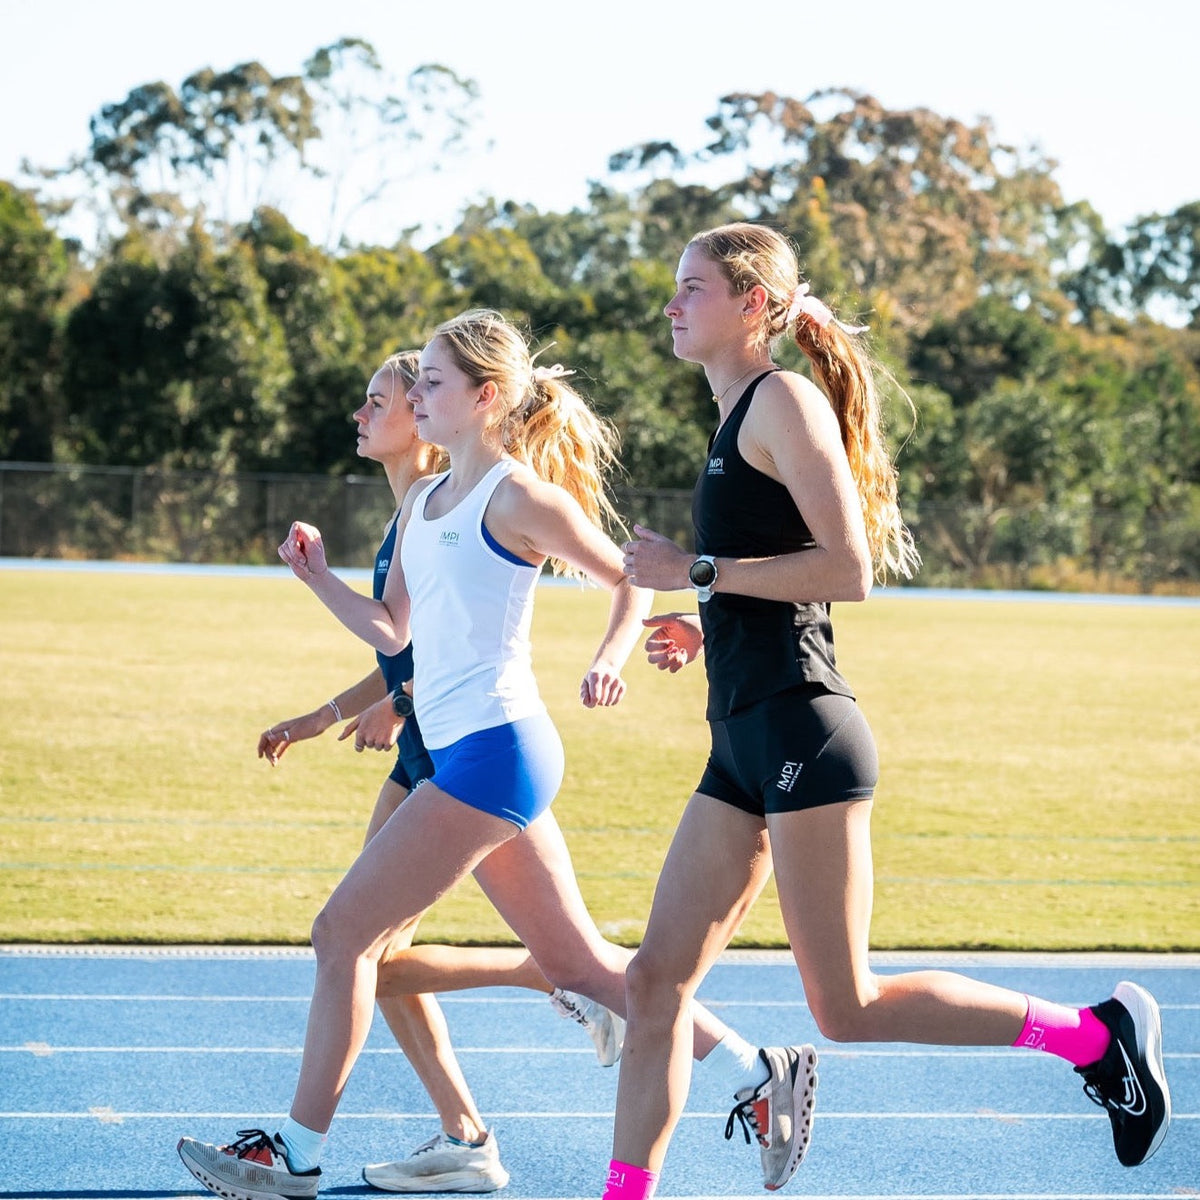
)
(797, 749)
(511, 771)
(411, 770)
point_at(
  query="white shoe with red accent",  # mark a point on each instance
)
(255, 1167)
(779, 1111)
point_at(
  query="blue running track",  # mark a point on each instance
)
(108, 1056)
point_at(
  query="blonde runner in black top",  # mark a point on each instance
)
(754, 648)
(786, 731)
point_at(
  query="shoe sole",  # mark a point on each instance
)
(608, 1050)
(804, 1103)
(227, 1191)
(449, 1181)
(1147, 1023)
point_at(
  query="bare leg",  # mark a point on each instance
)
(823, 871)
(715, 869)
(418, 1023)
(389, 886)
(532, 883)
(428, 968)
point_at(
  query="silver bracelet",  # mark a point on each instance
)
(337, 712)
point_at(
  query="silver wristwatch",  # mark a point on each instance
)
(702, 574)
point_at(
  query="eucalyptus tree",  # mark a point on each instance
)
(926, 211)
(1159, 258)
(321, 144)
(379, 134)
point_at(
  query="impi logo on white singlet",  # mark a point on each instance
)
(448, 538)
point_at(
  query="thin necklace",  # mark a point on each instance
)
(756, 367)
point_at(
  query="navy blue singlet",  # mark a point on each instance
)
(398, 668)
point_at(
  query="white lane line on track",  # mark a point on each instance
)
(45, 1050)
(111, 1115)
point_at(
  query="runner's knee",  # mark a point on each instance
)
(651, 985)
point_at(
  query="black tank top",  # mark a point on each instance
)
(755, 648)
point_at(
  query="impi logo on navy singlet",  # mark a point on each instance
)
(716, 466)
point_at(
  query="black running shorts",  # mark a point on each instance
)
(797, 749)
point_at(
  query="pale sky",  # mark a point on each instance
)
(1106, 89)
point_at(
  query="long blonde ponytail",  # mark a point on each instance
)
(756, 256)
(542, 421)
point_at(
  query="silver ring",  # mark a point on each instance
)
(287, 737)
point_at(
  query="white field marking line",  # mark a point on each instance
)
(46, 1050)
(1026, 959)
(443, 998)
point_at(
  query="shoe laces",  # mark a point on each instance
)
(433, 1144)
(1094, 1087)
(250, 1140)
(1095, 1091)
(744, 1112)
(567, 1006)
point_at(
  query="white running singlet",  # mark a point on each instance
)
(472, 608)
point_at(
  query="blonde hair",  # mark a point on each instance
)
(541, 420)
(756, 256)
(403, 367)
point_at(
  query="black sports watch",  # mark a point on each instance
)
(702, 574)
(402, 703)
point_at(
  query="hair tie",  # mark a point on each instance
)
(544, 374)
(804, 303)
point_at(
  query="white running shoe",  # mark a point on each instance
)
(442, 1165)
(779, 1111)
(605, 1028)
(255, 1167)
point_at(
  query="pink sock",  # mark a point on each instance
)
(1075, 1034)
(627, 1182)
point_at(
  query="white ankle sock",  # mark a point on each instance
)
(303, 1145)
(738, 1063)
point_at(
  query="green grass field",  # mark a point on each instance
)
(1038, 789)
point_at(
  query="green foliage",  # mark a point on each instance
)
(33, 276)
(178, 365)
(310, 299)
(1057, 418)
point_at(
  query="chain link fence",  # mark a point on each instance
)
(81, 512)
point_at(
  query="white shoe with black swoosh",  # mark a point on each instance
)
(1129, 1081)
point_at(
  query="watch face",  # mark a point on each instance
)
(702, 573)
(402, 704)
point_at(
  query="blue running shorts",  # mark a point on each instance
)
(511, 771)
